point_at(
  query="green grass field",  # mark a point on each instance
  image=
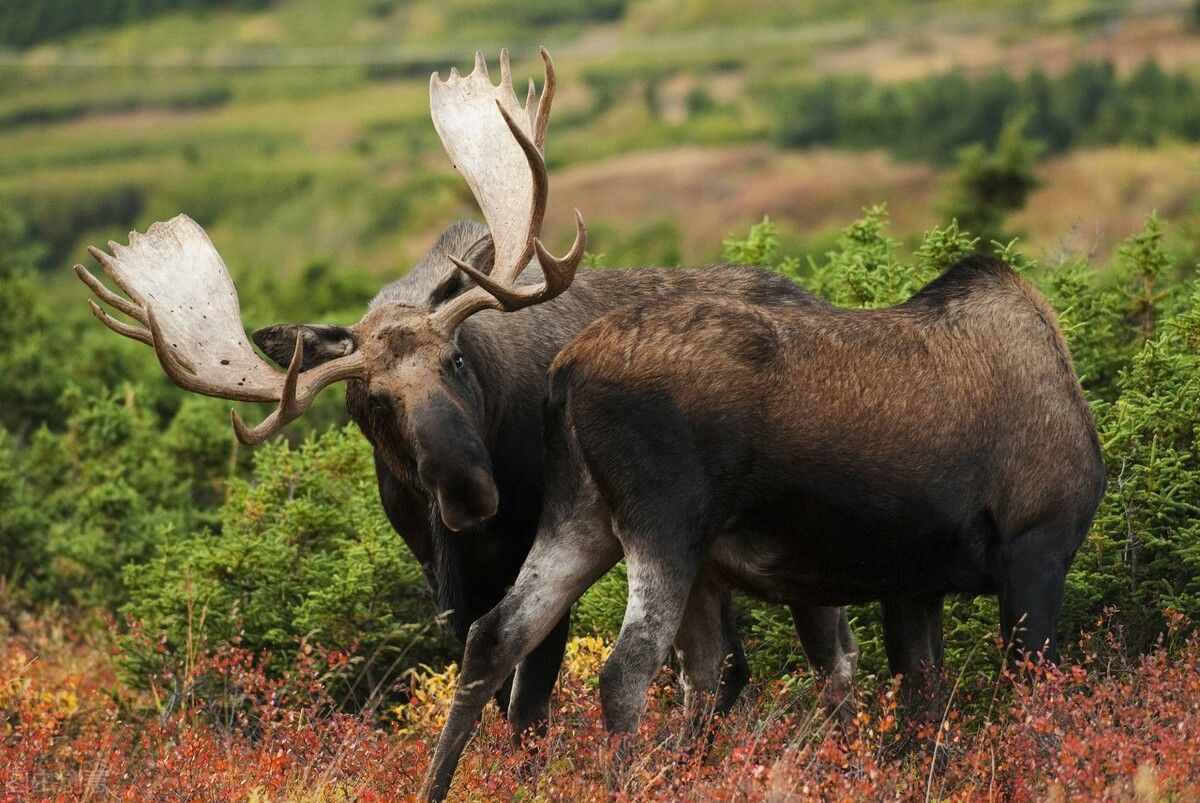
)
(299, 133)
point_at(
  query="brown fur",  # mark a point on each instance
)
(901, 384)
(809, 455)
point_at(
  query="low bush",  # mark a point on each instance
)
(1099, 728)
(300, 555)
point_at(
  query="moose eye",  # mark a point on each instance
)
(458, 362)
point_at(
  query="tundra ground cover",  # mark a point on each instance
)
(1111, 725)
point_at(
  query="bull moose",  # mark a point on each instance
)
(446, 375)
(809, 455)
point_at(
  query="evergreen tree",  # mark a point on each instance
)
(990, 184)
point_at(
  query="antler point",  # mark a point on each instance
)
(505, 69)
(243, 433)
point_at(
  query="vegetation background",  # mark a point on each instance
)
(858, 149)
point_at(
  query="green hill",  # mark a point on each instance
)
(297, 130)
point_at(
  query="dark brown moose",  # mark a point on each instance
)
(809, 455)
(446, 374)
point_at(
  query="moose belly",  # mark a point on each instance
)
(816, 554)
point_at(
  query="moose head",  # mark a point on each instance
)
(411, 386)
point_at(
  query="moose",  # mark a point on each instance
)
(446, 375)
(809, 455)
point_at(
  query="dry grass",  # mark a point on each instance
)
(1090, 200)
(709, 192)
(1164, 37)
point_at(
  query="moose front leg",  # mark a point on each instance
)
(660, 583)
(564, 562)
(529, 703)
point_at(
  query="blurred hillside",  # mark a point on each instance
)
(297, 131)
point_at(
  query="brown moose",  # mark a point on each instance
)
(808, 455)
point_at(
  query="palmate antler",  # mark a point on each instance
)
(181, 293)
(187, 306)
(497, 146)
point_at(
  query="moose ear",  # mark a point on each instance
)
(321, 343)
(450, 285)
(482, 257)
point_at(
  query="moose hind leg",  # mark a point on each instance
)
(713, 663)
(1031, 592)
(831, 649)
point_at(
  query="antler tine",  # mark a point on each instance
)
(505, 69)
(537, 167)
(288, 409)
(108, 296)
(547, 99)
(133, 332)
(560, 271)
(110, 268)
(298, 391)
(530, 109)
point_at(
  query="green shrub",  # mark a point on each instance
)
(599, 611)
(655, 243)
(30, 350)
(988, 185)
(81, 504)
(303, 553)
(933, 118)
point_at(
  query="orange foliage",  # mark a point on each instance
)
(1098, 728)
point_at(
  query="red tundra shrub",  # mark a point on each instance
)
(1103, 727)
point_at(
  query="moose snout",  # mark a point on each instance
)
(466, 494)
(455, 468)
(468, 500)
